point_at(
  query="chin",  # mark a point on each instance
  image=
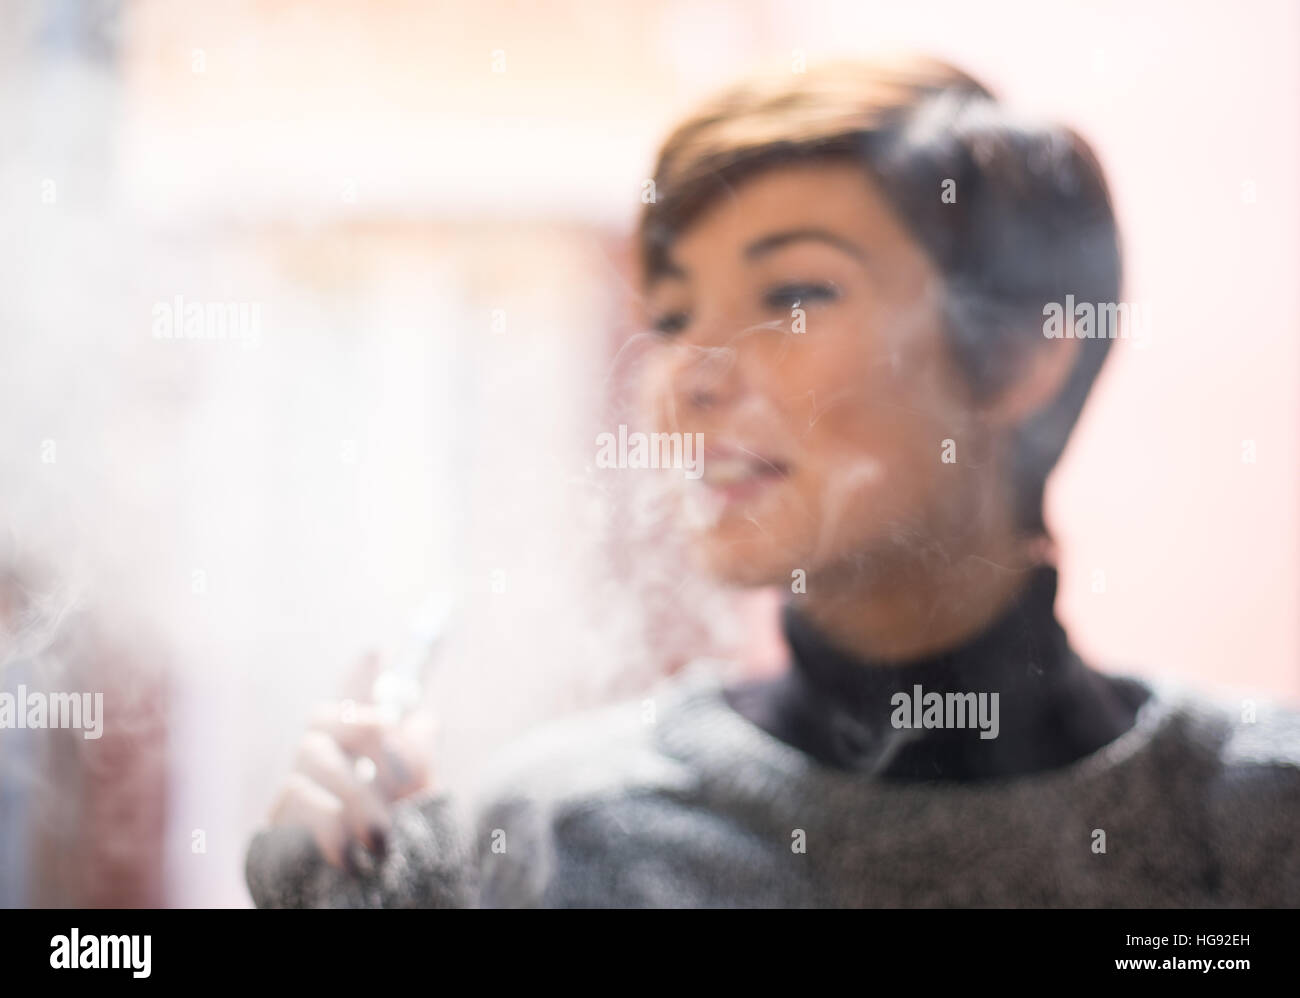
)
(745, 558)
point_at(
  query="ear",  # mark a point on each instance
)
(1042, 375)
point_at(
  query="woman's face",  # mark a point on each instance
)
(800, 333)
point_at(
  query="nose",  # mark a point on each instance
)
(707, 376)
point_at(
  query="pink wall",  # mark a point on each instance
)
(1194, 109)
(1194, 112)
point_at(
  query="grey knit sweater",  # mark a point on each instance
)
(687, 803)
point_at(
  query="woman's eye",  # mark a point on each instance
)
(789, 296)
(670, 323)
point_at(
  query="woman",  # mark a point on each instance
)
(848, 272)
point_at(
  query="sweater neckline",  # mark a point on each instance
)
(703, 729)
(1013, 698)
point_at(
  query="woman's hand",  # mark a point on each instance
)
(352, 764)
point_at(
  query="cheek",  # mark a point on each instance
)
(873, 448)
(654, 396)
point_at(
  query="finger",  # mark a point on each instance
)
(305, 804)
(413, 743)
(359, 680)
(364, 815)
(402, 753)
(364, 730)
(358, 727)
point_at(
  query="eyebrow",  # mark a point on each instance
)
(668, 268)
(776, 240)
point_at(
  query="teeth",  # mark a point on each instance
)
(727, 470)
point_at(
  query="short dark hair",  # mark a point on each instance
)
(1032, 221)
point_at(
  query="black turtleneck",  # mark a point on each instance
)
(1052, 708)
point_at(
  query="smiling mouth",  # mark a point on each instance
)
(735, 474)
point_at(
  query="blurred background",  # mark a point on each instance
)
(420, 215)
